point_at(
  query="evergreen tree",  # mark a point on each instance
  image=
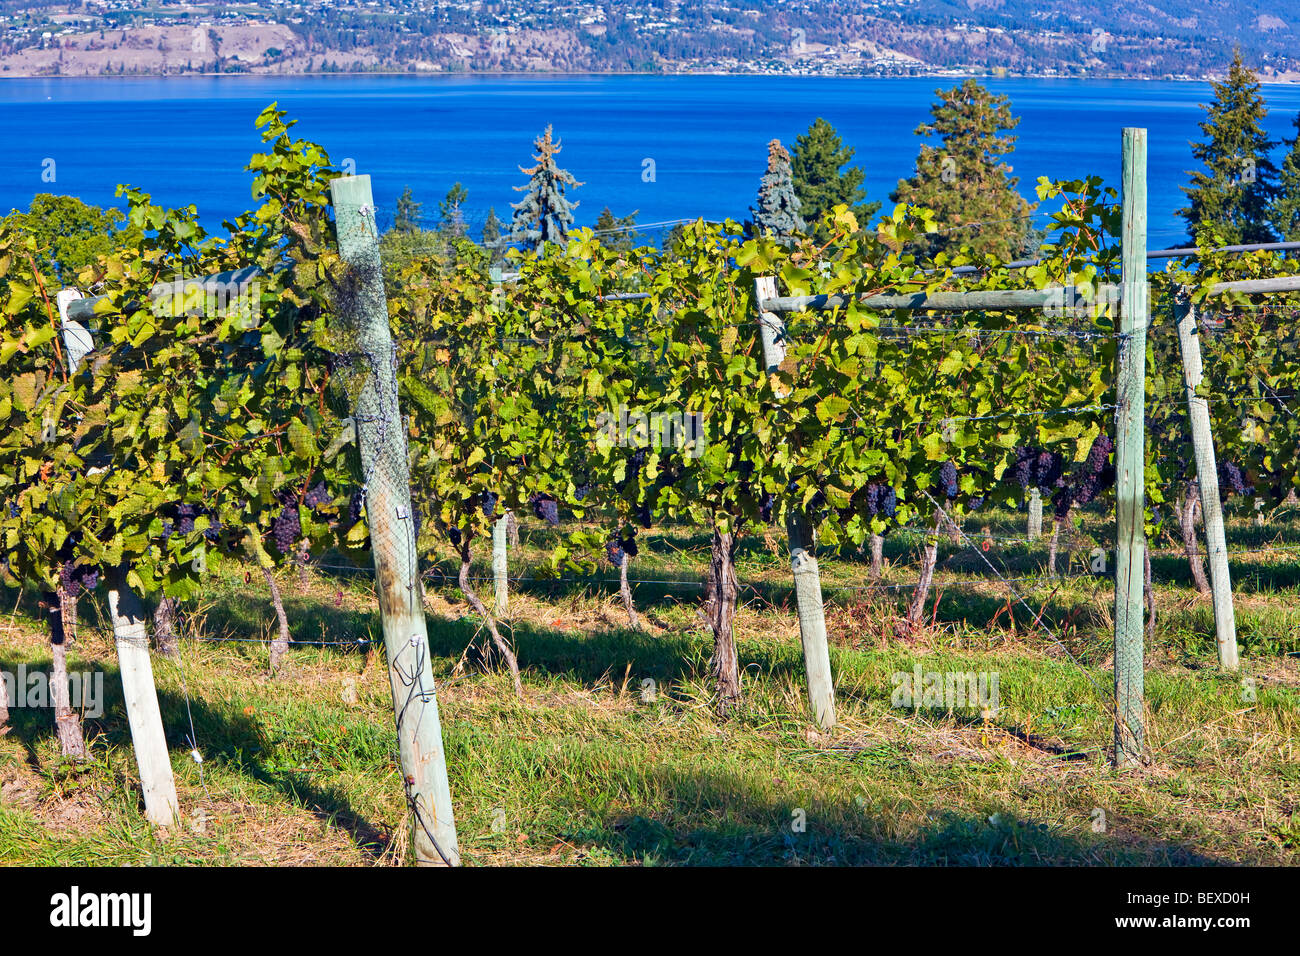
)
(617, 232)
(820, 180)
(1285, 214)
(1233, 195)
(964, 179)
(491, 229)
(407, 217)
(545, 213)
(778, 205)
(449, 211)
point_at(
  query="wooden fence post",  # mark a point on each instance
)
(1130, 456)
(803, 545)
(1035, 514)
(141, 696)
(1207, 474)
(381, 439)
(500, 578)
(131, 637)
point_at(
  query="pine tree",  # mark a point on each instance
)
(617, 232)
(778, 205)
(407, 217)
(820, 180)
(449, 211)
(965, 180)
(1232, 196)
(1285, 214)
(545, 213)
(491, 229)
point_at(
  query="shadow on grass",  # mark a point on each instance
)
(227, 738)
(763, 831)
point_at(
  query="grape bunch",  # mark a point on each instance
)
(286, 528)
(881, 499)
(76, 578)
(14, 510)
(317, 497)
(765, 507)
(546, 508)
(1232, 480)
(581, 491)
(185, 515)
(453, 534)
(1036, 468)
(643, 515)
(616, 547)
(948, 479)
(354, 506)
(488, 502)
(1096, 474)
(634, 466)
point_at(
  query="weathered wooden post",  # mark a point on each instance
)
(1035, 514)
(141, 696)
(381, 439)
(1207, 474)
(803, 545)
(1130, 454)
(131, 637)
(500, 578)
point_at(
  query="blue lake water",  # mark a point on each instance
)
(186, 140)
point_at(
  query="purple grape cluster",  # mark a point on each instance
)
(318, 497)
(453, 534)
(643, 515)
(185, 515)
(765, 507)
(286, 528)
(1097, 474)
(354, 506)
(1036, 468)
(488, 502)
(1232, 480)
(634, 466)
(616, 547)
(76, 578)
(581, 491)
(881, 499)
(14, 510)
(948, 479)
(546, 508)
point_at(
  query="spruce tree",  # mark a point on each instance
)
(545, 213)
(407, 217)
(450, 214)
(965, 180)
(1285, 214)
(778, 205)
(491, 229)
(617, 232)
(820, 180)
(1232, 196)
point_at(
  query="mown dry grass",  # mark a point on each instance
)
(596, 766)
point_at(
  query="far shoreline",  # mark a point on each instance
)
(490, 74)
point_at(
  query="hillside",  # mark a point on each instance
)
(885, 37)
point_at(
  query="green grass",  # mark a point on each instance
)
(585, 770)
